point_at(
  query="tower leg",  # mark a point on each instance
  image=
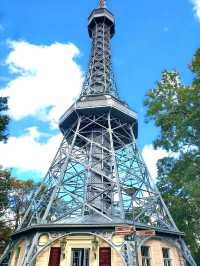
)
(186, 252)
(32, 248)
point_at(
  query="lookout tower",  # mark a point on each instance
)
(97, 205)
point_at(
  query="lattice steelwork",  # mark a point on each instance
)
(100, 77)
(98, 175)
(92, 176)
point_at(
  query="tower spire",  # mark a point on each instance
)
(102, 3)
(100, 77)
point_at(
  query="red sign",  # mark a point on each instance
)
(124, 230)
(146, 233)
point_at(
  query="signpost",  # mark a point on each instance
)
(131, 237)
(124, 230)
(130, 234)
(145, 233)
(130, 231)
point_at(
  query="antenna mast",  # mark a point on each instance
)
(102, 3)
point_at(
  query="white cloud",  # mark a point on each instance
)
(47, 80)
(196, 4)
(26, 153)
(151, 156)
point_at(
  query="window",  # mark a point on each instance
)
(166, 257)
(80, 257)
(146, 259)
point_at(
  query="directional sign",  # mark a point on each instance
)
(130, 238)
(124, 230)
(146, 233)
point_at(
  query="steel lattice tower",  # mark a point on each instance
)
(98, 176)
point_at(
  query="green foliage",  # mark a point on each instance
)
(4, 119)
(5, 230)
(175, 110)
(19, 198)
(4, 177)
(15, 196)
(4, 187)
(179, 184)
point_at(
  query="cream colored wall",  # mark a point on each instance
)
(43, 258)
(116, 259)
(156, 253)
(78, 242)
(22, 246)
(155, 245)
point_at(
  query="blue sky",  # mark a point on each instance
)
(44, 51)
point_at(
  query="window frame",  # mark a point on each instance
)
(84, 256)
(146, 260)
(167, 261)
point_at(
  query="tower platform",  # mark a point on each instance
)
(95, 105)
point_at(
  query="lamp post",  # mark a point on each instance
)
(95, 244)
(63, 244)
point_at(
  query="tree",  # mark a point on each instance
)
(175, 110)
(20, 195)
(5, 230)
(16, 195)
(4, 118)
(4, 187)
(4, 175)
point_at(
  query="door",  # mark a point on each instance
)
(105, 256)
(54, 259)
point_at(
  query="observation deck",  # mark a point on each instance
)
(95, 105)
(101, 15)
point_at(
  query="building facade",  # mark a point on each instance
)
(82, 249)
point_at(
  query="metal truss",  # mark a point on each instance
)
(98, 172)
(100, 78)
(98, 176)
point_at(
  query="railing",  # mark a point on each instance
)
(99, 103)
